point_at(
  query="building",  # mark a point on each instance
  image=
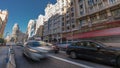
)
(49, 12)
(3, 21)
(69, 23)
(39, 35)
(39, 22)
(69, 20)
(31, 28)
(17, 35)
(97, 20)
(55, 22)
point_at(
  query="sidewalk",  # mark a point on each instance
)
(3, 56)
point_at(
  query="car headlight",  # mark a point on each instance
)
(33, 50)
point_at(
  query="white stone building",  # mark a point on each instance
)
(3, 21)
(31, 28)
(39, 22)
(17, 35)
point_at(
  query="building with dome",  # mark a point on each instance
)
(17, 35)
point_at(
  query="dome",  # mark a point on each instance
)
(16, 27)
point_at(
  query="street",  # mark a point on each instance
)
(60, 60)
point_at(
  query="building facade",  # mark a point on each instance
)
(97, 20)
(3, 21)
(17, 35)
(39, 22)
(56, 17)
(69, 20)
(31, 28)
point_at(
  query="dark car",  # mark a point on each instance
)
(95, 51)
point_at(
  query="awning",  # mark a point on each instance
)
(105, 32)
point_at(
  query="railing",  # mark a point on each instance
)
(105, 6)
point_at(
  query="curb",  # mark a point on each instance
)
(11, 59)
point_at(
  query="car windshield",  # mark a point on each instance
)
(35, 44)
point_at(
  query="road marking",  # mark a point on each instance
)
(74, 63)
(62, 52)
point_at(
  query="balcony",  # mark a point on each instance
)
(68, 24)
(105, 6)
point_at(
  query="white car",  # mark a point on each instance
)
(37, 50)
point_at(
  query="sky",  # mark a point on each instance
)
(21, 11)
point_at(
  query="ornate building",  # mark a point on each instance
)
(17, 35)
(60, 20)
(97, 20)
(31, 28)
(3, 21)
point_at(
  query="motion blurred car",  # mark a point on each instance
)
(37, 50)
(55, 47)
(93, 50)
(19, 44)
(63, 46)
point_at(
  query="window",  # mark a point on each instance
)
(80, 1)
(72, 14)
(81, 12)
(82, 22)
(68, 28)
(62, 29)
(63, 19)
(90, 2)
(67, 22)
(62, 9)
(116, 12)
(93, 18)
(112, 1)
(71, 3)
(81, 6)
(72, 9)
(62, 24)
(91, 44)
(73, 26)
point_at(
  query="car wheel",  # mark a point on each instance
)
(73, 55)
(118, 62)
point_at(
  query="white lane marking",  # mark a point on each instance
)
(74, 63)
(62, 52)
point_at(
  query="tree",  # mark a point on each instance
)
(2, 40)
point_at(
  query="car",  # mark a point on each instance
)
(19, 44)
(63, 46)
(37, 50)
(94, 50)
(55, 47)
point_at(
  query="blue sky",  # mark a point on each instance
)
(21, 11)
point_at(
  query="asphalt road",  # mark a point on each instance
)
(3, 56)
(60, 60)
